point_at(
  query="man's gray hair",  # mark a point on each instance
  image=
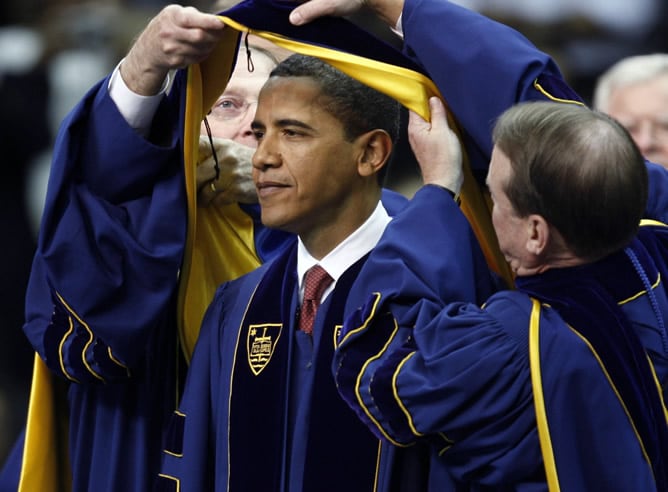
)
(628, 71)
(577, 168)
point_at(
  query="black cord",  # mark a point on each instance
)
(213, 149)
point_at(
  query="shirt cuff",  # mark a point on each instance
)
(137, 110)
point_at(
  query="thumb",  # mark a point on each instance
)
(437, 109)
(310, 10)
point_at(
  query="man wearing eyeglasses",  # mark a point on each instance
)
(102, 302)
(113, 230)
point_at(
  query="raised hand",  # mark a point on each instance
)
(175, 38)
(387, 10)
(436, 148)
(235, 180)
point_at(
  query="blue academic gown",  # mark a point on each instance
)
(150, 216)
(457, 377)
(100, 306)
(482, 68)
(278, 424)
(101, 303)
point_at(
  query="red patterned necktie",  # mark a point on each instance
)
(316, 282)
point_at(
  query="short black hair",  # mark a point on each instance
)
(357, 106)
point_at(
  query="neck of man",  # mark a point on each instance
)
(558, 259)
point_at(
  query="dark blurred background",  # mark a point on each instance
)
(52, 51)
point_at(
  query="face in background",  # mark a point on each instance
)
(234, 110)
(642, 108)
(304, 168)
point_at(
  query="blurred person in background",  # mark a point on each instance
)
(634, 91)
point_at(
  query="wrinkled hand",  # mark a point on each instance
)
(387, 10)
(235, 182)
(175, 38)
(436, 148)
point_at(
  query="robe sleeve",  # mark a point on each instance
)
(419, 361)
(436, 254)
(111, 240)
(482, 68)
(460, 382)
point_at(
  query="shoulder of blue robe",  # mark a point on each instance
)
(654, 237)
(271, 242)
(593, 299)
(657, 197)
(655, 233)
(427, 257)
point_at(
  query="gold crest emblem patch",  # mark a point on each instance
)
(260, 344)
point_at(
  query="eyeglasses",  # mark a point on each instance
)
(229, 108)
(226, 109)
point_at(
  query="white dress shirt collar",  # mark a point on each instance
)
(344, 255)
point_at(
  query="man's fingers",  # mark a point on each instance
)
(304, 13)
(437, 109)
(313, 9)
(187, 35)
(438, 117)
(417, 123)
(190, 17)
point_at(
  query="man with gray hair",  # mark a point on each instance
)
(557, 385)
(635, 92)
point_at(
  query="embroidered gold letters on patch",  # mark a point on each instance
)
(261, 343)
